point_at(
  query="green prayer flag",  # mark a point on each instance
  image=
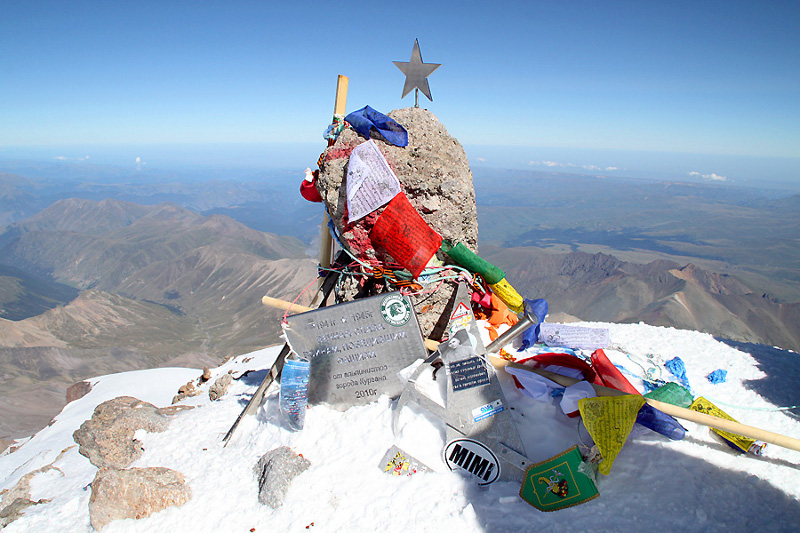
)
(557, 483)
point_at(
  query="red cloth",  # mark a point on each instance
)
(309, 189)
(609, 374)
(405, 235)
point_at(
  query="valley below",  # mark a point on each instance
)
(112, 274)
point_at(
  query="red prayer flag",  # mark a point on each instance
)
(403, 233)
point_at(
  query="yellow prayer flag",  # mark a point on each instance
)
(508, 294)
(609, 420)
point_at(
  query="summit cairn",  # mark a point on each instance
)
(434, 173)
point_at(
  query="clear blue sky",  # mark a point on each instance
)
(551, 78)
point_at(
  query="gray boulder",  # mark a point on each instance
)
(434, 173)
(134, 493)
(275, 471)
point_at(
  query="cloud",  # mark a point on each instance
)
(65, 158)
(713, 176)
(554, 164)
(480, 159)
(138, 163)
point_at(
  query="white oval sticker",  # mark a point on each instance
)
(473, 457)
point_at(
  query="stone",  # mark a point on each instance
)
(107, 439)
(275, 471)
(206, 375)
(220, 387)
(15, 500)
(134, 493)
(434, 173)
(78, 390)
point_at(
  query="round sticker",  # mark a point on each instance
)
(396, 310)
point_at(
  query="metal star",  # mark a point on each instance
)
(416, 72)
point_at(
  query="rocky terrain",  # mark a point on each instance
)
(156, 286)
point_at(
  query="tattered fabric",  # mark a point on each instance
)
(367, 118)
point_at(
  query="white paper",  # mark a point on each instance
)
(370, 181)
(573, 336)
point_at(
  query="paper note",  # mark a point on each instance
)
(370, 181)
(573, 336)
(609, 420)
(402, 232)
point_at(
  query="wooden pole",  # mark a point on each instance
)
(325, 240)
(672, 410)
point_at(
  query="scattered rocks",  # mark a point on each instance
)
(78, 390)
(220, 387)
(188, 390)
(107, 438)
(134, 493)
(435, 176)
(18, 498)
(275, 471)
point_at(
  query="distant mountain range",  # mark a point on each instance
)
(157, 285)
(600, 287)
(100, 276)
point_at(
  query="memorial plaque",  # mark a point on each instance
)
(355, 349)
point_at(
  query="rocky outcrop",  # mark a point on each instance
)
(134, 493)
(107, 438)
(78, 390)
(434, 174)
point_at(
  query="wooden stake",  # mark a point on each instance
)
(325, 240)
(672, 410)
(341, 95)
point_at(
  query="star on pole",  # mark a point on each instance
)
(417, 74)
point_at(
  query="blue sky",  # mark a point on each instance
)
(551, 85)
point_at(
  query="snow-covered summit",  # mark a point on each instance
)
(696, 484)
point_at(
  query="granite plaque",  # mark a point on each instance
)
(355, 349)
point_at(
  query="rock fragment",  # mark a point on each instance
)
(134, 493)
(275, 471)
(220, 387)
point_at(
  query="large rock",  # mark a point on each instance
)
(275, 471)
(134, 493)
(435, 176)
(107, 438)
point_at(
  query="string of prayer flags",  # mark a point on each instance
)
(371, 183)
(609, 420)
(366, 118)
(558, 482)
(508, 294)
(405, 235)
(539, 309)
(495, 277)
(701, 405)
(472, 262)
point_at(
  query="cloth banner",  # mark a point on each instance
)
(366, 118)
(403, 233)
(609, 420)
(701, 405)
(371, 183)
(558, 483)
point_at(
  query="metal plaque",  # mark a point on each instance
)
(357, 348)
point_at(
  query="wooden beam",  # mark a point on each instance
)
(672, 410)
